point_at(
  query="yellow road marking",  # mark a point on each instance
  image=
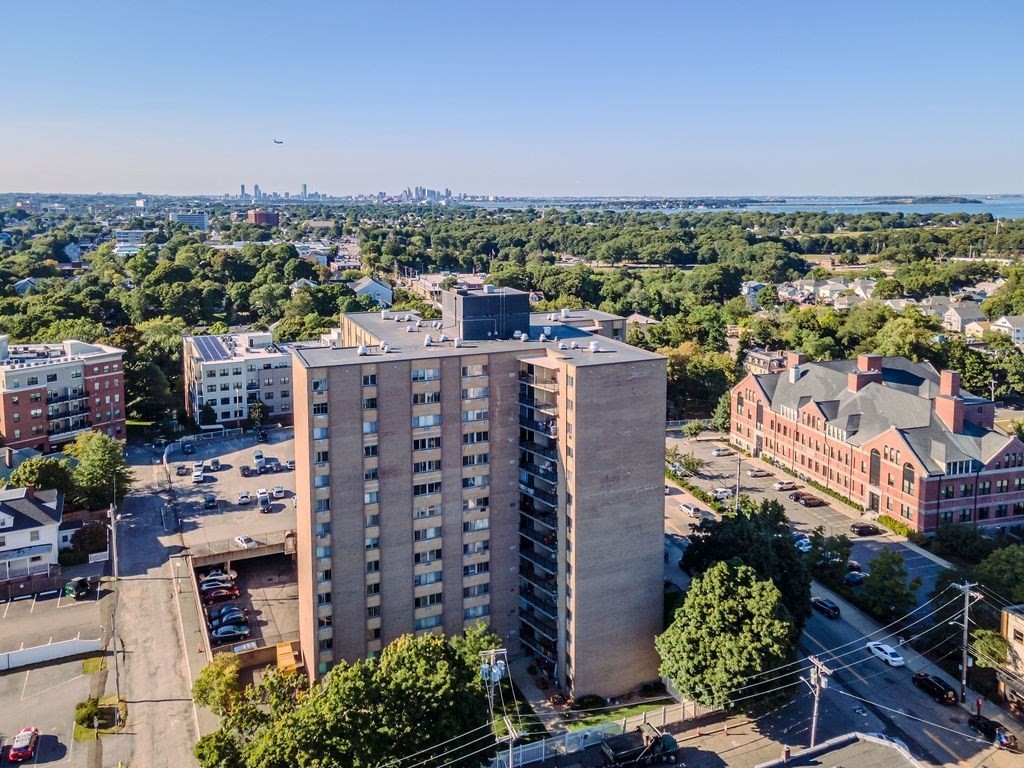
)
(956, 757)
(827, 650)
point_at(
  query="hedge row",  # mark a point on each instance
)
(814, 484)
(698, 493)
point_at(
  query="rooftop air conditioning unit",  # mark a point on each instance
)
(361, 350)
(595, 346)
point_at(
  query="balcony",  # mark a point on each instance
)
(548, 382)
(541, 583)
(69, 431)
(530, 615)
(547, 451)
(533, 516)
(538, 405)
(549, 428)
(548, 474)
(536, 493)
(538, 599)
(546, 540)
(547, 563)
(67, 396)
(252, 386)
(541, 646)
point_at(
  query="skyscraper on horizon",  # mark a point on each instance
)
(303, 191)
(242, 194)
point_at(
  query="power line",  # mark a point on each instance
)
(398, 761)
(912, 717)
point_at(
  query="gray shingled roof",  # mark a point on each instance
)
(45, 509)
(903, 400)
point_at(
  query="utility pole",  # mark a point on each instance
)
(819, 680)
(113, 609)
(965, 588)
(739, 464)
(493, 668)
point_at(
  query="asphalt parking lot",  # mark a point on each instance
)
(50, 617)
(229, 519)
(721, 471)
(45, 697)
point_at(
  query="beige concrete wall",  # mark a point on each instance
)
(303, 517)
(617, 537)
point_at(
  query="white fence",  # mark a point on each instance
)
(40, 653)
(574, 741)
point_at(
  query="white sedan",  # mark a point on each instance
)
(721, 452)
(690, 510)
(803, 545)
(886, 653)
(784, 485)
(245, 542)
(722, 493)
(278, 492)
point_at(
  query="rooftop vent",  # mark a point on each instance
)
(427, 341)
(595, 346)
(361, 351)
(458, 341)
(488, 288)
(562, 345)
(409, 329)
(575, 345)
(547, 330)
(564, 313)
(385, 314)
(542, 337)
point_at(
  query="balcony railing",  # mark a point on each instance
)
(536, 493)
(546, 540)
(539, 600)
(548, 382)
(544, 562)
(534, 516)
(542, 647)
(58, 434)
(549, 428)
(531, 616)
(541, 450)
(538, 405)
(542, 584)
(252, 385)
(544, 473)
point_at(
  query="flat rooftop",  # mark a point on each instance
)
(215, 349)
(406, 341)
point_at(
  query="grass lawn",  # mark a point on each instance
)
(83, 733)
(614, 714)
(94, 664)
(521, 714)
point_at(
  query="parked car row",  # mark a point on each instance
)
(225, 620)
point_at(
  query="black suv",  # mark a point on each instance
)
(993, 731)
(865, 529)
(935, 687)
(825, 606)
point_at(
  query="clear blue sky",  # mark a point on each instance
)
(523, 97)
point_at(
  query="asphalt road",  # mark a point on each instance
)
(721, 471)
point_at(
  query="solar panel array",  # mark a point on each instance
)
(210, 348)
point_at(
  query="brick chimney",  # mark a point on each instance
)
(793, 359)
(869, 363)
(30, 491)
(949, 406)
(869, 369)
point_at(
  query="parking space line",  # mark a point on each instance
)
(24, 685)
(47, 690)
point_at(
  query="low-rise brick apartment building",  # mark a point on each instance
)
(895, 436)
(54, 392)
(493, 465)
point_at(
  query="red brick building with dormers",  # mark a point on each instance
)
(894, 436)
(51, 393)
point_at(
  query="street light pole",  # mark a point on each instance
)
(966, 589)
(819, 675)
(113, 610)
(739, 464)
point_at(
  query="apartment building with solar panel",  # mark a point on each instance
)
(52, 393)
(229, 372)
(491, 466)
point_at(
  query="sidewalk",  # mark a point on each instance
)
(549, 715)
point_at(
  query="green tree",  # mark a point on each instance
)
(829, 554)
(1001, 573)
(887, 592)
(257, 412)
(768, 297)
(218, 750)
(728, 638)
(218, 684)
(721, 418)
(991, 648)
(207, 415)
(691, 464)
(693, 428)
(102, 474)
(43, 473)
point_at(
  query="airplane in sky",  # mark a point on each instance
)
(276, 141)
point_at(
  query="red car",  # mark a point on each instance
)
(23, 745)
(220, 595)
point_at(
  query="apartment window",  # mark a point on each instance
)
(211, 388)
(966, 489)
(371, 497)
(569, 406)
(369, 427)
(370, 473)
(471, 526)
(319, 385)
(36, 413)
(426, 443)
(324, 575)
(372, 520)
(16, 416)
(948, 492)
(475, 393)
(323, 552)
(965, 514)
(476, 612)
(426, 534)
(369, 451)
(425, 601)
(423, 579)
(323, 529)
(324, 622)
(905, 511)
(1002, 486)
(476, 547)
(372, 589)
(321, 481)
(369, 403)
(1018, 636)
(479, 503)
(425, 489)
(321, 457)
(426, 374)
(373, 612)
(908, 478)
(1000, 510)
(14, 400)
(429, 622)
(477, 590)
(427, 557)
(426, 398)
(984, 488)
(475, 569)
(372, 542)
(319, 409)
(323, 598)
(475, 459)
(33, 380)
(373, 566)
(476, 482)
(33, 536)
(471, 438)
(320, 433)
(477, 415)
(431, 510)
(474, 370)
(434, 465)
(570, 381)
(323, 505)
(423, 422)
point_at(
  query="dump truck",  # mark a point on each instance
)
(655, 748)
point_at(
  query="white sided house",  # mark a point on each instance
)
(29, 520)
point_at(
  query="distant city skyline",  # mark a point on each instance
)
(525, 99)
